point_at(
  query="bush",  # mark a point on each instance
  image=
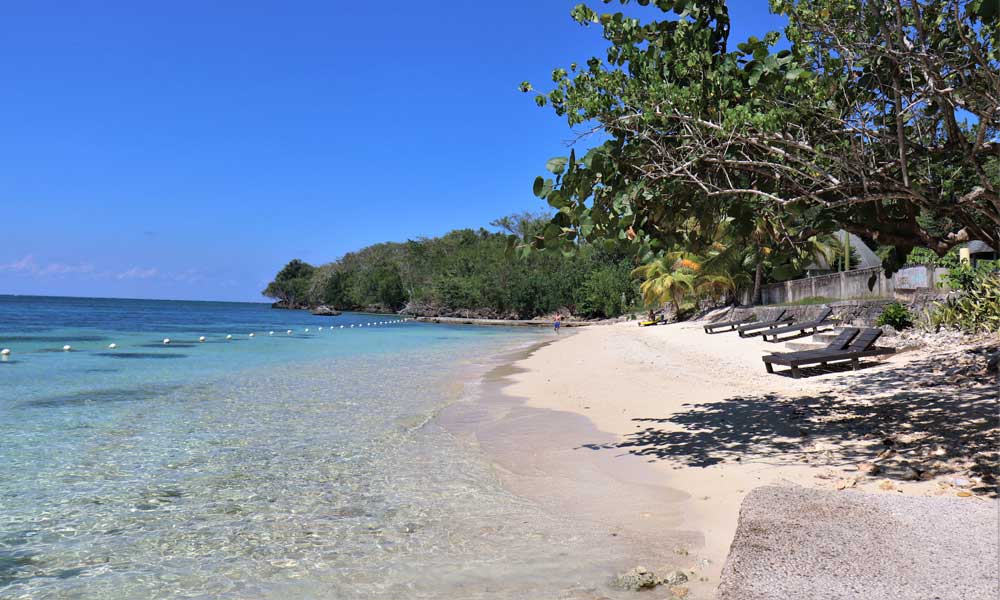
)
(965, 277)
(895, 315)
(975, 309)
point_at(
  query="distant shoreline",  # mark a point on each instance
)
(500, 322)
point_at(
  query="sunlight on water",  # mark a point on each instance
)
(291, 466)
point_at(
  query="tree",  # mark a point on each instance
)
(464, 272)
(881, 119)
(670, 278)
(291, 286)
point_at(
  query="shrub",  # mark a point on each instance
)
(975, 309)
(965, 277)
(895, 315)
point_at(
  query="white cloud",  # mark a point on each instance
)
(29, 266)
(138, 273)
(188, 276)
(25, 265)
(61, 269)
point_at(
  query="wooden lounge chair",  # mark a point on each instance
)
(801, 328)
(861, 346)
(750, 328)
(727, 325)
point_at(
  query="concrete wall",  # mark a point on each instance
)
(859, 283)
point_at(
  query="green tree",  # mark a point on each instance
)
(859, 126)
(292, 284)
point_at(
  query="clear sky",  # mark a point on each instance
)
(189, 149)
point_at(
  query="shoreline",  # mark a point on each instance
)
(527, 447)
(659, 433)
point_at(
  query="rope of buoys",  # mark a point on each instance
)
(6, 352)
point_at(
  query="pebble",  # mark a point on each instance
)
(636, 579)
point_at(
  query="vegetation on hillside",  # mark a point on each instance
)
(465, 272)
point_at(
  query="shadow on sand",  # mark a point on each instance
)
(921, 419)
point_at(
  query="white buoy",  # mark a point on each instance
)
(5, 352)
(112, 346)
(252, 334)
(67, 348)
(321, 329)
(270, 333)
(341, 326)
(289, 332)
(352, 325)
(201, 339)
(307, 330)
(229, 336)
(166, 340)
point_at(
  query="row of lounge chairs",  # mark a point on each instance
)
(851, 344)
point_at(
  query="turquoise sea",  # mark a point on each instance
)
(302, 465)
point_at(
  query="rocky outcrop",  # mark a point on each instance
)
(325, 311)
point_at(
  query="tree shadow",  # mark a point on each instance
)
(796, 336)
(928, 417)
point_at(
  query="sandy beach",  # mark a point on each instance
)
(657, 434)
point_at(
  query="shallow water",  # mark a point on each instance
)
(295, 466)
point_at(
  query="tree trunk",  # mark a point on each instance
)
(758, 281)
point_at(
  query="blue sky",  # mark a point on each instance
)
(189, 149)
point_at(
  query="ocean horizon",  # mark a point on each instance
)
(306, 463)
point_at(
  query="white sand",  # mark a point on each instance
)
(666, 381)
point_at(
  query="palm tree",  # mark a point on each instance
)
(671, 277)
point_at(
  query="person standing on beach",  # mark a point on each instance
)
(557, 323)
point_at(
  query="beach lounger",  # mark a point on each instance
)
(801, 328)
(727, 325)
(861, 346)
(749, 329)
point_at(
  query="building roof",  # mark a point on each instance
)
(866, 258)
(978, 247)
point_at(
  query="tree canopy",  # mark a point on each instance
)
(881, 118)
(466, 273)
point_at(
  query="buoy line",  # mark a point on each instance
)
(7, 352)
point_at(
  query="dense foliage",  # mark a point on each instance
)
(881, 118)
(974, 309)
(895, 315)
(465, 272)
(292, 284)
